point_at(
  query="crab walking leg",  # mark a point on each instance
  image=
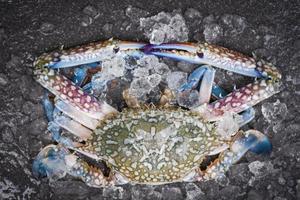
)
(251, 140)
(57, 119)
(54, 128)
(55, 131)
(56, 161)
(204, 74)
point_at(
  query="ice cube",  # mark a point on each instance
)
(274, 112)
(176, 79)
(165, 27)
(188, 98)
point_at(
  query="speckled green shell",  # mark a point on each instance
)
(154, 146)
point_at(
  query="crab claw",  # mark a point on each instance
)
(91, 53)
(128, 45)
(50, 162)
(179, 51)
(251, 140)
(204, 53)
(56, 161)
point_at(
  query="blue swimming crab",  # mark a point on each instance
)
(150, 144)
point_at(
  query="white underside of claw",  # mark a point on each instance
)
(74, 127)
(76, 114)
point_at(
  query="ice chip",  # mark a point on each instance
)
(165, 27)
(176, 79)
(228, 125)
(188, 99)
(274, 112)
(114, 66)
(213, 33)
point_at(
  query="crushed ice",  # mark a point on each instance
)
(228, 125)
(165, 27)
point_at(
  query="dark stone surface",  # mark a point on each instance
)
(28, 28)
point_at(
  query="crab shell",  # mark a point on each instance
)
(156, 146)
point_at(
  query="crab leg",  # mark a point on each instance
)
(53, 127)
(90, 53)
(247, 115)
(251, 140)
(240, 99)
(66, 90)
(58, 119)
(55, 162)
(208, 88)
(72, 126)
(78, 115)
(204, 53)
(48, 106)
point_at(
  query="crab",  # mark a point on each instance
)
(147, 143)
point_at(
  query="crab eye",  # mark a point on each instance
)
(116, 49)
(200, 54)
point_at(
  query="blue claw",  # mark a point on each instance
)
(55, 131)
(81, 72)
(79, 75)
(193, 79)
(68, 63)
(87, 88)
(204, 74)
(218, 92)
(177, 57)
(171, 50)
(50, 162)
(256, 142)
(126, 45)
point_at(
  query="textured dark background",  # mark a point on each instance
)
(28, 28)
